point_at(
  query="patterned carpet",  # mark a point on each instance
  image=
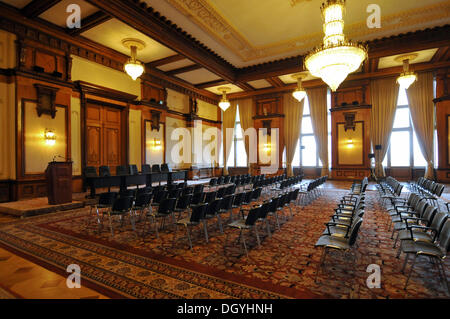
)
(284, 267)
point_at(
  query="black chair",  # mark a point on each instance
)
(199, 188)
(166, 209)
(159, 197)
(132, 170)
(121, 170)
(146, 169)
(196, 218)
(142, 203)
(213, 211)
(210, 197)
(90, 171)
(105, 202)
(165, 168)
(198, 198)
(249, 223)
(104, 171)
(121, 207)
(227, 205)
(183, 204)
(156, 168)
(221, 192)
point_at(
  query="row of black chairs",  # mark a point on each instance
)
(342, 229)
(91, 171)
(423, 231)
(429, 189)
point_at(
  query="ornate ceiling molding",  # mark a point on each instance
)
(203, 13)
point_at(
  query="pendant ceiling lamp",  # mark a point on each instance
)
(407, 77)
(337, 57)
(133, 67)
(224, 104)
(299, 93)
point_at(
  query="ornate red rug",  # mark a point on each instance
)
(284, 266)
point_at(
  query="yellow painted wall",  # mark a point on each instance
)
(7, 50)
(37, 152)
(153, 155)
(207, 110)
(135, 142)
(171, 125)
(7, 108)
(177, 101)
(88, 71)
(75, 127)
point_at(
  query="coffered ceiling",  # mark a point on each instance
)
(249, 45)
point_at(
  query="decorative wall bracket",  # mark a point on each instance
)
(267, 124)
(156, 118)
(46, 96)
(349, 121)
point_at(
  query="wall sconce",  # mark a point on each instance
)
(350, 143)
(50, 137)
(267, 147)
(156, 144)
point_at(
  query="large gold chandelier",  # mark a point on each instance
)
(336, 57)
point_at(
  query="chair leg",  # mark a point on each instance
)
(188, 232)
(257, 235)
(322, 260)
(205, 229)
(111, 225)
(242, 236)
(268, 228)
(412, 266)
(219, 221)
(396, 239)
(404, 264)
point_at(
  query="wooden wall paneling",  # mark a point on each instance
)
(442, 103)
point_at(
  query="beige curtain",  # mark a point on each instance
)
(229, 121)
(318, 105)
(293, 112)
(383, 94)
(246, 116)
(420, 100)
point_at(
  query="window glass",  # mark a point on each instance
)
(401, 119)
(230, 162)
(400, 149)
(309, 152)
(241, 155)
(307, 125)
(402, 97)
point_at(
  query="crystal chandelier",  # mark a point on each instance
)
(407, 77)
(224, 104)
(336, 58)
(299, 93)
(133, 67)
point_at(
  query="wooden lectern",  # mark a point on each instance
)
(59, 182)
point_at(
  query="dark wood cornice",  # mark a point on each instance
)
(146, 20)
(13, 21)
(97, 90)
(270, 69)
(184, 69)
(210, 84)
(37, 7)
(89, 22)
(169, 59)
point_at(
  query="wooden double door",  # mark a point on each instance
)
(105, 143)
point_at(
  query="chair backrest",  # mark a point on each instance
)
(421, 207)
(438, 221)
(128, 193)
(145, 168)
(121, 170)
(160, 196)
(210, 196)
(143, 200)
(248, 197)
(264, 209)
(165, 168)
(227, 202)
(156, 168)
(238, 199)
(213, 207)
(104, 171)
(198, 213)
(227, 179)
(429, 214)
(90, 171)
(213, 182)
(107, 199)
(444, 236)
(252, 216)
(274, 205)
(188, 190)
(132, 169)
(184, 201)
(354, 230)
(199, 188)
(197, 198)
(439, 190)
(167, 206)
(221, 192)
(175, 193)
(122, 204)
